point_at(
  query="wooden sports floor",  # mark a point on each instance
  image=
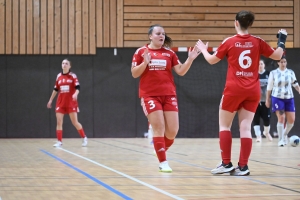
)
(127, 169)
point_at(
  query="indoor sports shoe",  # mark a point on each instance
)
(84, 142)
(258, 138)
(281, 143)
(164, 167)
(58, 144)
(268, 136)
(222, 168)
(239, 171)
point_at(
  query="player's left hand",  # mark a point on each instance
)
(74, 96)
(193, 53)
(201, 45)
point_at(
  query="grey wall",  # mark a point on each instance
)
(108, 99)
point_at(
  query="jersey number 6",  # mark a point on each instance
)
(243, 58)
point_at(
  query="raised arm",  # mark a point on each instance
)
(137, 71)
(211, 59)
(181, 69)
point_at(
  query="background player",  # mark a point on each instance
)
(280, 84)
(262, 111)
(67, 85)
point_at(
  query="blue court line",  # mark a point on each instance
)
(89, 176)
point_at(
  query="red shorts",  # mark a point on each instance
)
(165, 103)
(66, 110)
(234, 103)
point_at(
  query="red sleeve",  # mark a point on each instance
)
(175, 59)
(265, 49)
(56, 87)
(222, 50)
(75, 80)
(137, 57)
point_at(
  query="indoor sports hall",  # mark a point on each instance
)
(98, 39)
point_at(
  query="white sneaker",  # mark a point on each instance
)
(258, 138)
(164, 167)
(222, 168)
(84, 142)
(268, 136)
(58, 144)
(281, 143)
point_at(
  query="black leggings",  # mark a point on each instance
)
(262, 112)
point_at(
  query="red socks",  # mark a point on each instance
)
(81, 133)
(160, 148)
(225, 146)
(168, 143)
(246, 147)
(59, 135)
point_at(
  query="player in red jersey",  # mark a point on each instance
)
(242, 88)
(68, 87)
(153, 63)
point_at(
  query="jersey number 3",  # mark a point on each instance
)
(245, 61)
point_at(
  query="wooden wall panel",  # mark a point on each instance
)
(99, 23)
(64, 27)
(8, 26)
(50, 25)
(113, 23)
(78, 28)
(29, 27)
(297, 23)
(15, 27)
(57, 27)
(81, 26)
(106, 24)
(2, 26)
(85, 27)
(44, 27)
(36, 27)
(71, 27)
(120, 24)
(92, 27)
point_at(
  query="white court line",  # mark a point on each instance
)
(125, 175)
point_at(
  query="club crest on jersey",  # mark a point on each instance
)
(246, 45)
(166, 54)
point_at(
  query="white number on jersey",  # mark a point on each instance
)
(242, 57)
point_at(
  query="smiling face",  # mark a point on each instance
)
(65, 65)
(157, 37)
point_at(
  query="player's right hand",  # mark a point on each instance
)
(146, 56)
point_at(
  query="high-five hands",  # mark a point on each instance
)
(201, 46)
(194, 53)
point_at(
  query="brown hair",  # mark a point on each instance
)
(68, 61)
(245, 18)
(168, 41)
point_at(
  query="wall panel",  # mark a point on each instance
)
(15, 27)
(81, 26)
(8, 26)
(2, 26)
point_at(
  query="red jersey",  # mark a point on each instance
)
(157, 79)
(243, 55)
(65, 84)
